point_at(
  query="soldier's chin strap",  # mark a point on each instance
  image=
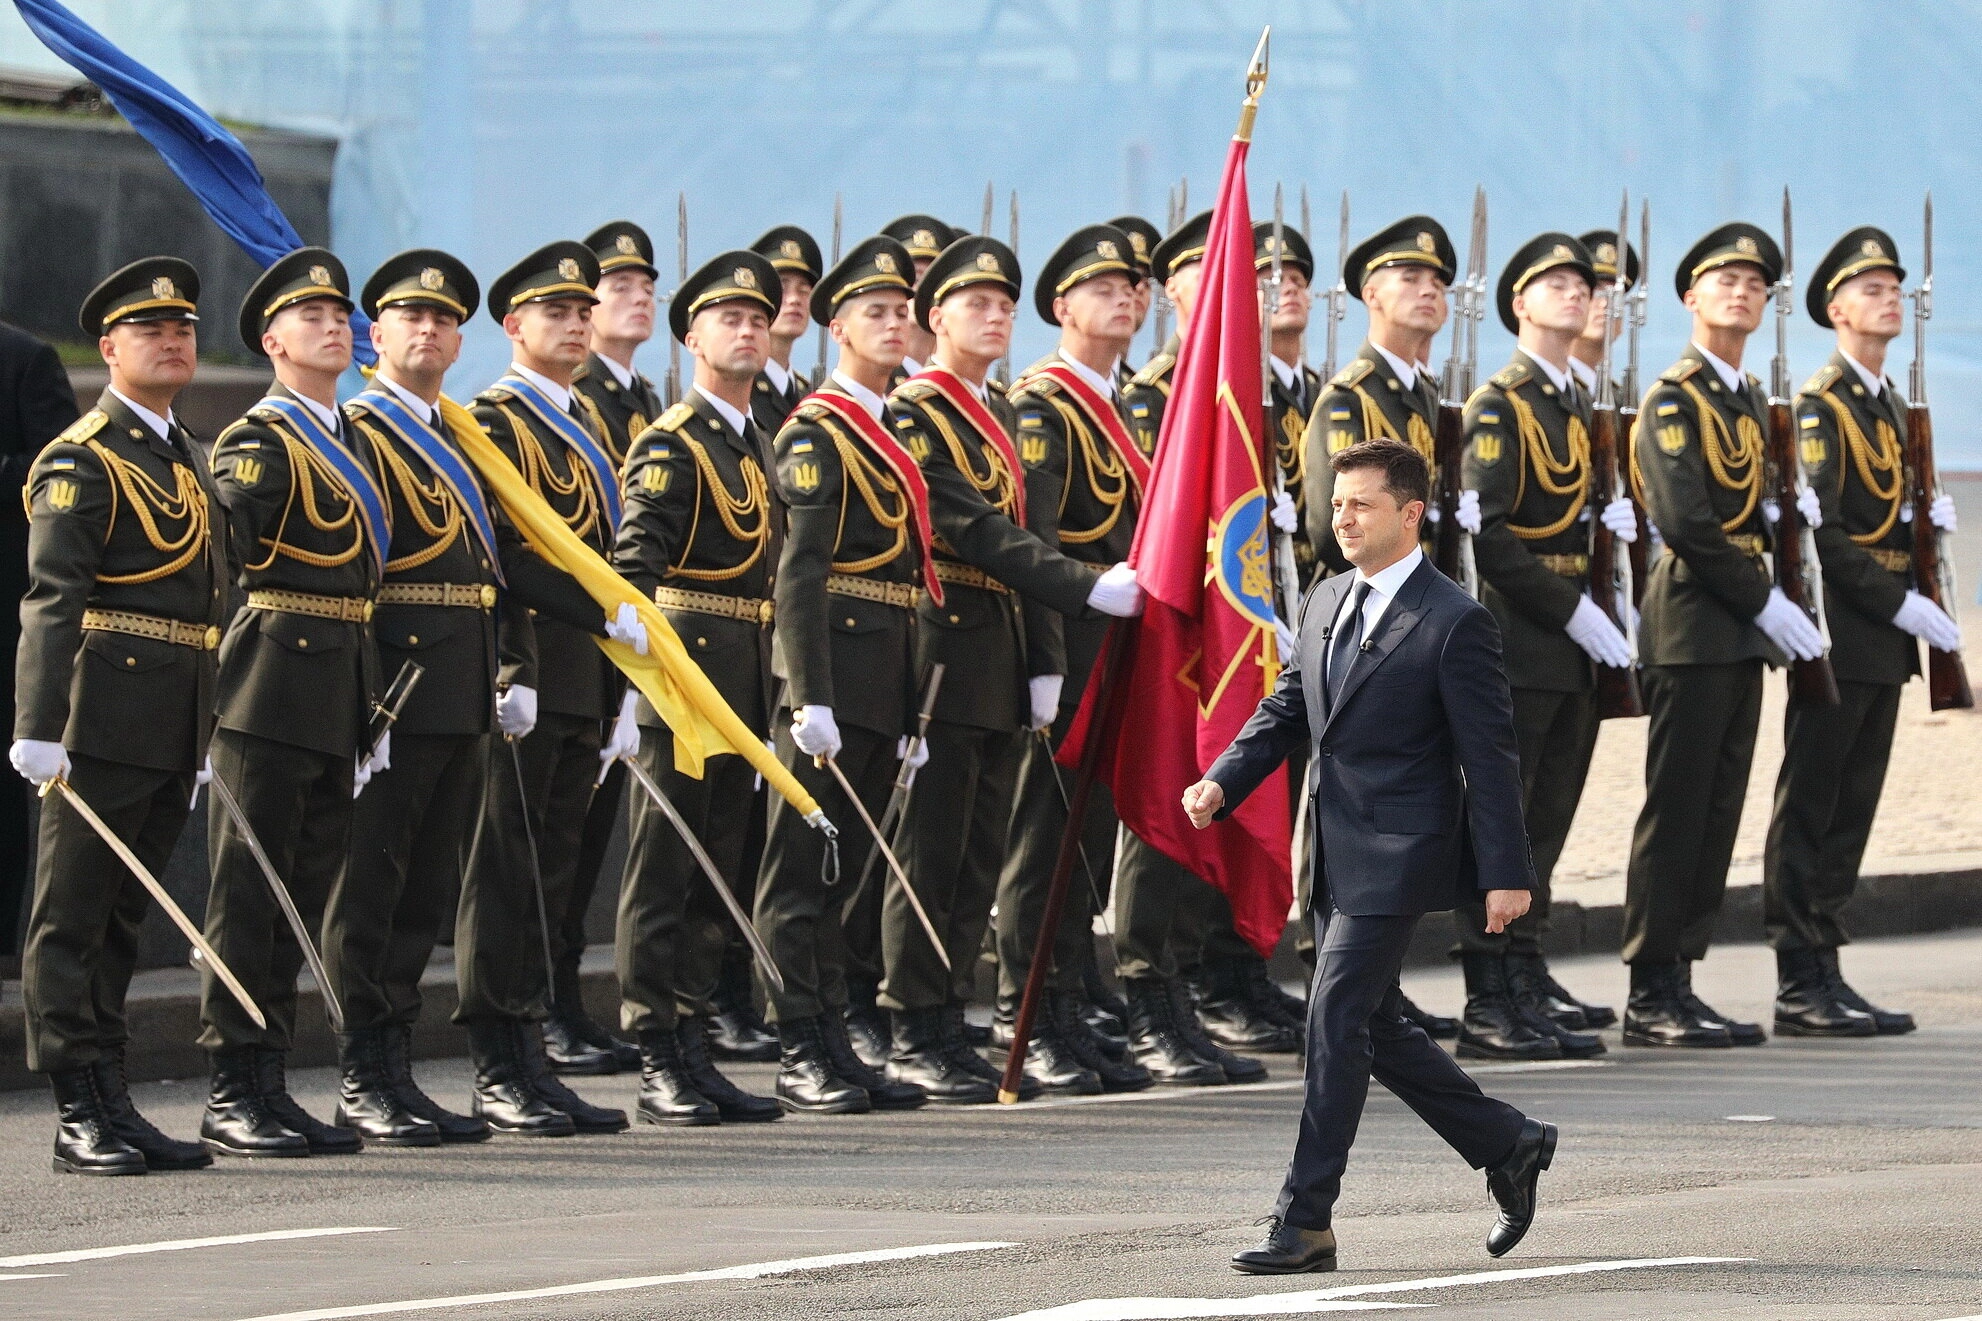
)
(829, 866)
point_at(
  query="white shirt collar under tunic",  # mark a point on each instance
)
(1105, 385)
(728, 413)
(622, 374)
(161, 426)
(557, 394)
(870, 401)
(1407, 372)
(1560, 379)
(1729, 376)
(779, 373)
(1875, 383)
(421, 408)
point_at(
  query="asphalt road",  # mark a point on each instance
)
(1800, 1180)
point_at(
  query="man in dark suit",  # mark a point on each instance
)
(1396, 685)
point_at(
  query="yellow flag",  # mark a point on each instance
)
(701, 721)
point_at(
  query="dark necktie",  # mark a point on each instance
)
(1348, 641)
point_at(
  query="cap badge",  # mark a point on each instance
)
(431, 279)
(923, 239)
(988, 263)
(1560, 253)
(1607, 253)
(1871, 248)
(884, 262)
(745, 277)
(1425, 243)
(789, 248)
(320, 275)
(1139, 242)
(567, 267)
(1107, 250)
(625, 246)
(1747, 247)
(162, 287)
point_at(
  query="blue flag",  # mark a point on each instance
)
(206, 157)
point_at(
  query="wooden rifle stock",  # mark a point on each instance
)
(1796, 572)
(1947, 676)
(1448, 454)
(1618, 696)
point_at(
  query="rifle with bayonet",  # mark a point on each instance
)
(681, 278)
(819, 372)
(1452, 545)
(1797, 571)
(1338, 294)
(1933, 574)
(1307, 232)
(1636, 303)
(1005, 365)
(1286, 576)
(1618, 696)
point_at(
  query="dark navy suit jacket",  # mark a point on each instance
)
(1417, 799)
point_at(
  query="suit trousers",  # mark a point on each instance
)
(410, 831)
(953, 840)
(800, 896)
(672, 924)
(1039, 816)
(82, 935)
(499, 931)
(1833, 771)
(298, 801)
(1699, 747)
(1357, 1031)
(1557, 733)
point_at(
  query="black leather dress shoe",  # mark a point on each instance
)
(1155, 1042)
(1890, 1022)
(504, 1098)
(807, 1081)
(368, 1103)
(1512, 1184)
(1657, 1013)
(1288, 1250)
(238, 1122)
(883, 1093)
(399, 1072)
(84, 1141)
(1807, 1005)
(272, 1075)
(1738, 1033)
(925, 1057)
(668, 1095)
(160, 1151)
(1494, 1027)
(1436, 1026)
(735, 1105)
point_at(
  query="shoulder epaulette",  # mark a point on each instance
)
(677, 414)
(1513, 374)
(495, 394)
(1039, 383)
(1154, 370)
(583, 373)
(1682, 370)
(1826, 377)
(83, 428)
(809, 412)
(913, 390)
(1351, 375)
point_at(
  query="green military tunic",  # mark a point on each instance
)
(770, 406)
(1528, 456)
(1005, 591)
(299, 672)
(1697, 468)
(1834, 758)
(697, 536)
(1363, 401)
(846, 588)
(127, 581)
(617, 412)
(1287, 420)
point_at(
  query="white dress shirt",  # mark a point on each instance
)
(1384, 584)
(1560, 379)
(622, 374)
(910, 365)
(779, 373)
(1407, 372)
(1729, 376)
(1586, 376)
(729, 414)
(421, 408)
(161, 426)
(328, 416)
(1873, 382)
(557, 394)
(870, 401)
(1105, 385)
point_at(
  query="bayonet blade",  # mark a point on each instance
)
(990, 200)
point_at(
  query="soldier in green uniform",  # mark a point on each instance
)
(298, 676)
(539, 786)
(115, 684)
(1296, 385)
(621, 402)
(1588, 351)
(1143, 238)
(1528, 460)
(1083, 476)
(847, 583)
(457, 596)
(697, 537)
(923, 237)
(996, 631)
(1850, 422)
(1176, 263)
(794, 254)
(1710, 622)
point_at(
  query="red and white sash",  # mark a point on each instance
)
(907, 474)
(964, 399)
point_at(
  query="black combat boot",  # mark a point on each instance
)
(505, 1097)
(238, 1119)
(1657, 1013)
(367, 1101)
(1273, 999)
(1574, 1014)
(568, 1048)
(667, 1094)
(1740, 1034)
(85, 1143)
(1237, 1068)
(1106, 1013)
(1050, 1059)
(736, 1030)
(160, 1152)
(586, 1118)
(399, 1072)
(271, 1073)
(807, 1080)
(735, 1105)
(1229, 1011)
(882, 1093)
(1528, 990)
(1155, 1042)
(961, 1039)
(1890, 1022)
(867, 1028)
(923, 1056)
(1123, 1075)
(1806, 1004)
(1494, 1027)
(1436, 1026)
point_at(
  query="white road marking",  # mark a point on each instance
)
(182, 1244)
(1751, 1119)
(1238, 1089)
(1326, 1300)
(5, 1278)
(754, 1271)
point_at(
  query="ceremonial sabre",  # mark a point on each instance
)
(536, 863)
(905, 777)
(201, 950)
(708, 865)
(894, 863)
(385, 712)
(283, 900)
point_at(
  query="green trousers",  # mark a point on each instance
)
(1039, 816)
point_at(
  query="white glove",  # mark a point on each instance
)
(1789, 628)
(1923, 619)
(625, 626)
(38, 760)
(1621, 517)
(1590, 628)
(814, 731)
(912, 751)
(1468, 512)
(1808, 505)
(381, 760)
(204, 776)
(516, 710)
(1045, 690)
(1433, 513)
(1284, 515)
(1941, 513)
(1115, 593)
(624, 740)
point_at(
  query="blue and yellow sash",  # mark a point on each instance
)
(460, 479)
(358, 481)
(580, 441)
